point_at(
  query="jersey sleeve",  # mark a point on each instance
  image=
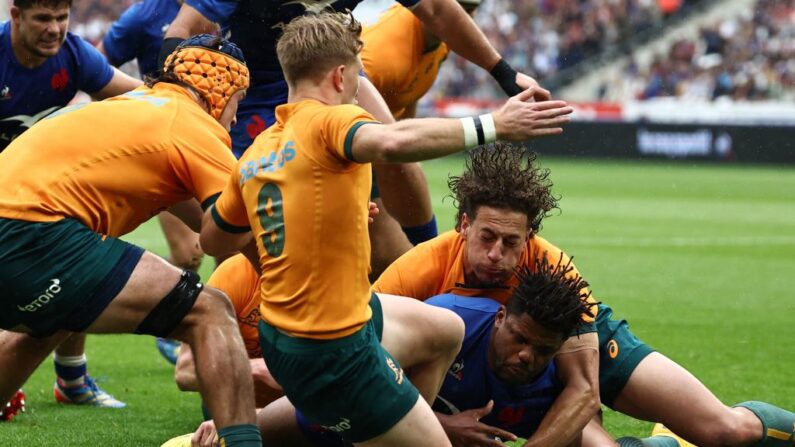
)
(339, 126)
(229, 212)
(95, 72)
(201, 158)
(217, 11)
(416, 274)
(237, 278)
(121, 42)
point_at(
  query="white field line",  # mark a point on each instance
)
(678, 241)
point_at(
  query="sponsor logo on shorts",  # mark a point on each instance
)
(341, 426)
(44, 298)
(612, 349)
(457, 369)
(397, 370)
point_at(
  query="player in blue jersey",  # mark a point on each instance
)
(256, 26)
(44, 66)
(138, 34)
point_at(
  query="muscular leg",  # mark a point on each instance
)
(418, 427)
(25, 353)
(387, 241)
(660, 390)
(72, 346)
(209, 328)
(424, 339)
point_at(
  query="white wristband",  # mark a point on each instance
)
(489, 129)
(470, 133)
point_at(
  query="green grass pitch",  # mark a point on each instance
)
(698, 258)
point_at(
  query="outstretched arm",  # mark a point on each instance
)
(424, 139)
(447, 20)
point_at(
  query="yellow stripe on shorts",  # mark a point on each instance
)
(778, 434)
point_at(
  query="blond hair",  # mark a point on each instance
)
(313, 44)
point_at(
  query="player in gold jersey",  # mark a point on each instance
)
(302, 191)
(75, 182)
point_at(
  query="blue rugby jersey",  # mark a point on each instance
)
(254, 25)
(27, 95)
(470, 383)
(138, 33)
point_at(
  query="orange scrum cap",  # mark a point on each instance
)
(215, 67)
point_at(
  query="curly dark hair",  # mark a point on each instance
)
(551, 297)
(503, 175)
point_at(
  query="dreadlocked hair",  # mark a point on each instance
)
(551, 296)
(505, 176)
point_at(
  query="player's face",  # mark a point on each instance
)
(520, 349)
(229, 115)
(42, 29)
(350, 81)
(495, 239)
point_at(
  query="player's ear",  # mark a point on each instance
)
(337, 78)
(500, 317)
(464, 227)
(15, 13)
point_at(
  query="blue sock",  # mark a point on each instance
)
(244, 435)
(71, 369)
(778, 425)
(422, 233)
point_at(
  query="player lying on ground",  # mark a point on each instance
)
(95, 172)
(502, 199)
(43, 67)
(256, 25)
(303, 189)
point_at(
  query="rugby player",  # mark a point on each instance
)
(401, 58)
(502, 199)
(137, 34)
(78, 180)
(256, 25)
(504, 379)
(43, 67)
(302, 189)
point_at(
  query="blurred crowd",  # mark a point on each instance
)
(745, 58)
(542, 37)
(749, 58)
(92, 18)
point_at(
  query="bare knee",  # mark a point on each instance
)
(448, 330)
(212, 311)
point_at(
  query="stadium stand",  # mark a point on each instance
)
(750, 57)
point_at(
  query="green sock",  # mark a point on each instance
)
(657, 441)
(778, 425)
(244, 435)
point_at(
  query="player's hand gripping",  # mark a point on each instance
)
(205, 435)
(465, 429)
(519, 120)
